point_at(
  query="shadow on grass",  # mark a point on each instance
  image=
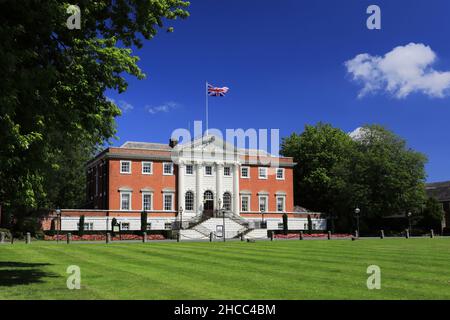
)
(20, 273)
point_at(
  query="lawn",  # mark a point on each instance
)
(410, 269)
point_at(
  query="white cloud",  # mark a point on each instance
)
(165, 107)
(125, 106)
(402, 71)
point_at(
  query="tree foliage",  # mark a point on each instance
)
(53, 110)
(337, 173)
(432, 215)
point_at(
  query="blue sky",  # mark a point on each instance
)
(284, 62)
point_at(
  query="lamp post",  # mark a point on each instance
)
(357, 212)
(58, 218)
(409, 221)
(181, 217)
(223, 218)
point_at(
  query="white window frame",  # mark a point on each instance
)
(248, 172)
(229, 169)
(88, 226)
(284, 203)
(164, 201)
(125, 172)
(259, 203)
(276, 173)
(231, 200)
(209, 175)
(151, 167)
(186, 172)
(121, 226)
(144, 193)
(249, 198)
(122, 193)
(259, 173)
(193, 201)
(171, 169)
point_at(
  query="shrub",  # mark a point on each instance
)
(81, 226)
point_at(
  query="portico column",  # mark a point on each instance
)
(181, 172)
(236, 205)
(219, 177)
(198, 182)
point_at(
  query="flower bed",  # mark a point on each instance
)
(102, 237)
(314, 235)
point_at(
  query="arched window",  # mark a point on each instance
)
(208, 195)
(227, 201)
(189, 201)
(208, 201)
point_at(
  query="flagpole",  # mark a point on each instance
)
(206, 98)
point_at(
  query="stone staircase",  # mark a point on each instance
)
(200, 228)
(191, 234)
(256, 234)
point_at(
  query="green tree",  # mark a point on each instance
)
(53, 110)
(386, 176)
(323, 154)
(374, 171)
(432, 215)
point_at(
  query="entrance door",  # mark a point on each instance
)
(208, 203)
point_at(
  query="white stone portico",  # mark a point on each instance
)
(209, 157)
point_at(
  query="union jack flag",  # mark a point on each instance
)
(216, 91)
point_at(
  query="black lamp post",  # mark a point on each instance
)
(58, 218)
(357, 212)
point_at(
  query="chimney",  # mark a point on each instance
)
(173, 142)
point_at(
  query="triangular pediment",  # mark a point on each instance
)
(207, 147)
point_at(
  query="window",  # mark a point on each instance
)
(208, 170)
(146, 201)
(227, 171)
(149, 226)
(245, 172)
(245, 203)
(263, 203)
(125, 226)
(167, 169)
(280, 226)
(168, 225)
(189, 169)
(280, 174)
(125, 167)
(88, 226)
(125, 201)
(147, 167)
(280, 204)
(189, 201)
(168, 202)
(262, 172)
(227, 201)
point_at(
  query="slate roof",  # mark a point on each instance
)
(439, 190)
(145, 145)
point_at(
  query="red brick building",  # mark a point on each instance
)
(190, 185)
